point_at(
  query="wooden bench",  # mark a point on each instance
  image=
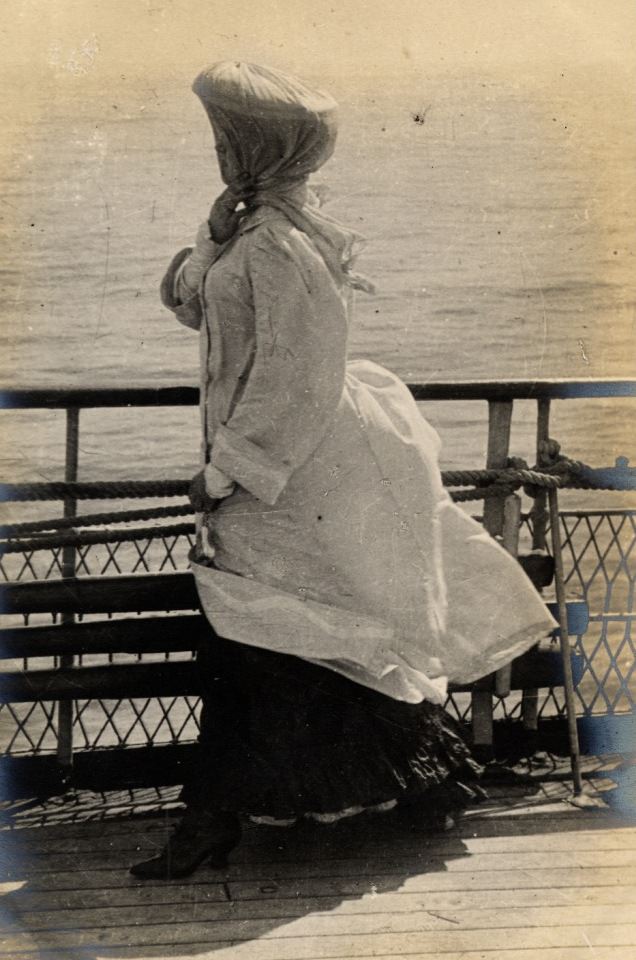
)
(171, 623)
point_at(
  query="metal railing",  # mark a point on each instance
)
(598, 546)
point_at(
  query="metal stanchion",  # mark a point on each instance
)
(564, 640)
(65, 707)
(539, 517)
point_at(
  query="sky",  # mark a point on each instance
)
(75, 41)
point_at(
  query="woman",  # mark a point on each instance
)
(347, 587)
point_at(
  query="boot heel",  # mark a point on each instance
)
(194, 842)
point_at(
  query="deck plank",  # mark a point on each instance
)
(181, 925)
(304, 945)
(122, 893)
(120, 834)
(523, 877)
(344, 872)
(423, 891)
(68, 869)
(457, 908)
(202, 951)
(31, 852)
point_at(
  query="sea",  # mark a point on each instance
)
(498, 217)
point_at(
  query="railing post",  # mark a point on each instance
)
(539, 517)
(539, 512)
(65, 707)
(564, 641)
(510, 535)
(499, 424)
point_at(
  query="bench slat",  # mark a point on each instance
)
(149, 593)
(537, 668)
(131, 635)
(155, 593)
(110, 682)
(120, 594)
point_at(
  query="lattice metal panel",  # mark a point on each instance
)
(598, 549)
(31, 565)
(127, 723)
(157, 554)
(599, 553)
(28, 727)
(599, 556)
(609, 656)
(458, 705)
(32, 728)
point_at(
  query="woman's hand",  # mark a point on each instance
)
(200, 499)
(224, 218)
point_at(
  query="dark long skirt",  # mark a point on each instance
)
(283, 738)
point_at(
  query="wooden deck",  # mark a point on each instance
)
(525, 876)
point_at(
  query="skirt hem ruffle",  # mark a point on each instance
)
(283, 738)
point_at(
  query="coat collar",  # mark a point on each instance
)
(257, 217)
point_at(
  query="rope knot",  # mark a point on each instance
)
(518, 464)
(554, 463)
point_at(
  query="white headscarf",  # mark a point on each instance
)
(280, 131)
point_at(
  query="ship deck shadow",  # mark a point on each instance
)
(525, 874)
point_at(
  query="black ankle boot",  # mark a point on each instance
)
(199, 837)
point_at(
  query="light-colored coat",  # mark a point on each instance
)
(339, 543)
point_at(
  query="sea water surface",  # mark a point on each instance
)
(498, 218)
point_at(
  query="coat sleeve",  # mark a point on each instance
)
(296, 379)
(180, 285)
(184, 303)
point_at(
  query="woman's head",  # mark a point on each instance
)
(229, 165)
(269, 129)
(271, 132)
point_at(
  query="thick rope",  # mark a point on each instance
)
(10, 530)
(51, 535)
(96, 537)
(567, 473)
(468, 478)
(480, 493)
(98, 490)
(561, 473)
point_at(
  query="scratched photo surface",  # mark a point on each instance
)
(486, 152)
